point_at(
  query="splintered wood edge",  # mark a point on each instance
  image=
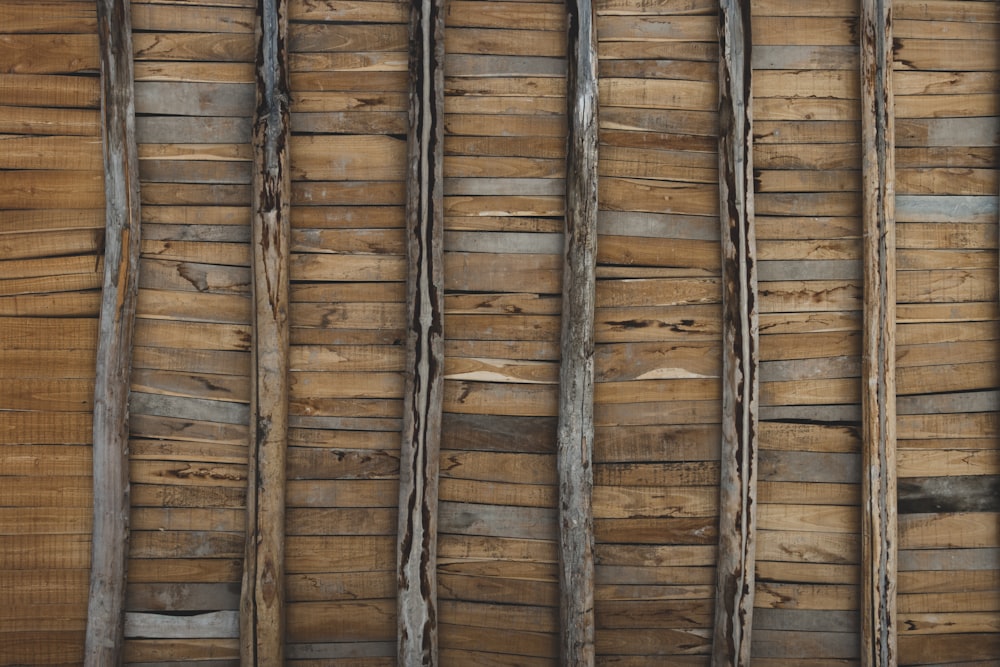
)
(262, 613)
(423, 394)
(738, 485)
(576, 374)
(106, 607)
(878, 525)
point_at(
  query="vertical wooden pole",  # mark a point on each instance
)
(878, 528)
(576, 374)
(738, 488)
(262, 624)
(422, 402)
(106, 607)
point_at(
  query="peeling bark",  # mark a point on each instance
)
(262, 623)
(738, 487)
(575, 435)
(878, 526)
(423, 398)
(106, 607)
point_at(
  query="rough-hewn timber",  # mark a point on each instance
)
(106, 608)
(878, 525)
(738, 479)
(262, 626)
(576, 374)
(422, 400)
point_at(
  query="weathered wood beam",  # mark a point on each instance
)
(878, 525)
(422, 401)
(738, 488)
(106, 607)
(575, 431)
(262, 621)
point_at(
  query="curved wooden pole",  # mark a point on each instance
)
(576, 374)
(106, 607)
(262, 613)
(422, 402)
(878, 522)
(738, 489)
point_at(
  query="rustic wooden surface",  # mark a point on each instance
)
(575, 431)
(505, 127)
(806, 153)
(735, 570)
(191, 382)
(945, 398)
(262, 605)
(419, 466)
(658, 325)
(658, 329)
(106, 609)
(348, 323)
(49, 322)
(878, 525)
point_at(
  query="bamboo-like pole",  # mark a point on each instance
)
(262, 623)
(422, 402)
(738, 488)
(878, 525)
(106, 606)
(576, 374)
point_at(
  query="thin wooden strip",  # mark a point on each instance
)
(216, 624)
(416, 545)
(734, 596)
(106, 609)
(879, 547)
(575, 431)
(262, 602)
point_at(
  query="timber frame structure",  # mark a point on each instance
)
(500, 332)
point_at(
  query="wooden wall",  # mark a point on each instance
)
(191, 365)
(51, 231)
(945, 69)
(659, 328)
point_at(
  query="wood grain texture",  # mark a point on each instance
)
(424, 390)
(575, 434)
(878, 525)
(262, 614)
(106, 608)
(740, 392)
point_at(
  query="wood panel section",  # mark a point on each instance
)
(808, 159)
(504, 167)
(658, 330)
(941, 127)
(52, 229)
(348, 330)
(191, 382)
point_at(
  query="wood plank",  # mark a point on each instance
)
(878, 554)
(262, 602)
(105, 613)
(734, 596)
(575, 430)
(416, 546)
(214, 624)
(203, 46)
(50, 53)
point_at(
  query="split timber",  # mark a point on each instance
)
(628, 333)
